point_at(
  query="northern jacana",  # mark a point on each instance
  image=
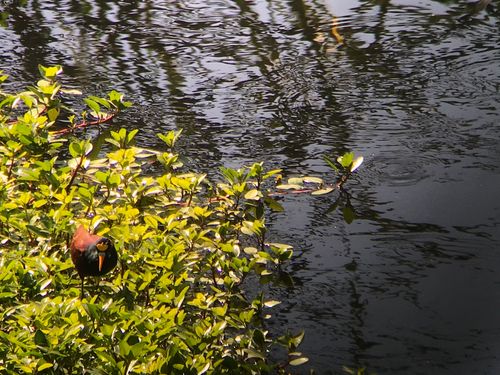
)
(92, 255)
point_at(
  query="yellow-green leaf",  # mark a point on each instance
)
(295, 181)
(323, 191)
(250, 250)
(289, 187)
(253, 194)
(298, 361)
(314, 180)
(71, 91)
(45, 366)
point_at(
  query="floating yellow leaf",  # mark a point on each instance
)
(314, 180)
(323, 191)
(295, 180)
(289, 187)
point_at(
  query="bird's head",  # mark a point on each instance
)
(101, 247)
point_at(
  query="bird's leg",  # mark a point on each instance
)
(81, 293)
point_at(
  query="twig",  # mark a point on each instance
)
(84, 124)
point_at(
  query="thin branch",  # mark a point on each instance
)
(73, 176)
(84, 124)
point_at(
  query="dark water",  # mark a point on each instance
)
(412, 286)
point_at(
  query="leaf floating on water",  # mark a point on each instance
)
(323, 191)
(289, 187)
(314, 180)
(72, 91)
(295, 180)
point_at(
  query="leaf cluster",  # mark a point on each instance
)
(188, 249)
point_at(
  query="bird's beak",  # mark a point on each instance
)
(101, 261)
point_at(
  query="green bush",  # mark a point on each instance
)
(176, 303)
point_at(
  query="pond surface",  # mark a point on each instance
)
(412, 285)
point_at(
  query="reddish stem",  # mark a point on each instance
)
(84, 124)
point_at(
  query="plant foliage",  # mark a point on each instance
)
(189, 250)
(177, 302)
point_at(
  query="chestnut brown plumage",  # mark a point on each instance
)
(92, 255)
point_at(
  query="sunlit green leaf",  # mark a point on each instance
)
(253, 194)
(98, 100)
(346, 159)
(93, 105)
(53, 113)
(75, 149)
(45, 366)
(52, 71)
(39, 203)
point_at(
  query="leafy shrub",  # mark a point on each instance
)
(176, 303)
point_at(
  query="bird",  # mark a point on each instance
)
(91, 254)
